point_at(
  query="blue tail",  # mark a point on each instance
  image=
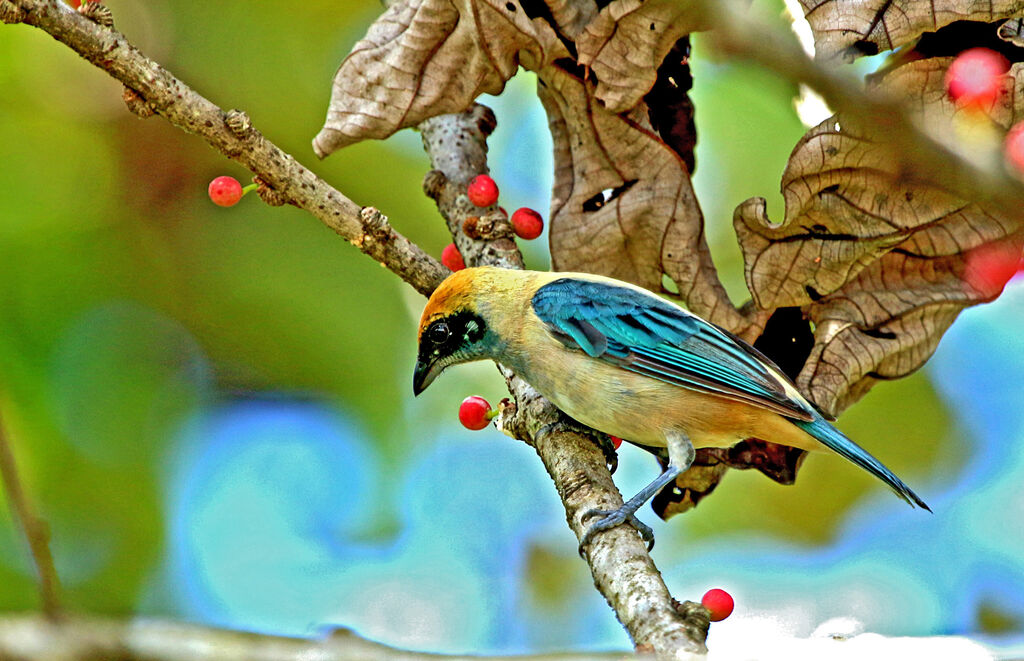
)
(834, 439)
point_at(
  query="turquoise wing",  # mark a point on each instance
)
(644, 334)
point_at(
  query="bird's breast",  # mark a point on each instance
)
(642, 409)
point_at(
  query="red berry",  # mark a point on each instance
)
(719, 602)
(616, 442)
(482, 191)
(991, 265)
(474, 413)
(75, 3)
(975, 78)
(452, 258)
(527, 223)
(1014, 147)
(225, 191)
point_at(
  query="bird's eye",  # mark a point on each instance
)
(439, 333)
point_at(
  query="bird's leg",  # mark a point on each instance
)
(680, 456)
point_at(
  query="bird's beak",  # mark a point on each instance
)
(425, 373)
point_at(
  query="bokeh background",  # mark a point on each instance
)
(212, 407)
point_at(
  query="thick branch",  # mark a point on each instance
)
(621, 566)
(191, 112)
(35, 529)
(31, 638)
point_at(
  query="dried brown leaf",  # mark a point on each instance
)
(568, 17)
(859, 27)
(1012, 31)
(849, 201)
(887, 322)
(778, 462)
(877, 259)
(423, 58)
(622, 203)
(627, 41)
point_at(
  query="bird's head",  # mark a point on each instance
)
(455, 327)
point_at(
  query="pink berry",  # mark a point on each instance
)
(527, 223)
(452, 258)
(991, 265)
(1014, 147)
(475, 413)
(975, 78)
(616, 442)
(225, 191)
(482, 191)
(719, 602)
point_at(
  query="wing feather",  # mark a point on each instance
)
(642, 333)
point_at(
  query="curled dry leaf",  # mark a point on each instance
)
(1012, 31)
(423, 58)
(622, 203)
(887, 322)
(876, 258)
(627, 42)
(866, 27)
(567, 17)
(778, 462)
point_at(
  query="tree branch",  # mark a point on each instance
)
(34, 528)
(619, 562)
(31, 638)
(231, 134)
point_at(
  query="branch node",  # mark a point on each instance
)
(10, 13)
(434, 183)
(97, 13)
(696, 618)
(137, 104)
(375, 224)
(239, 123)
(486, 122)
(268, 194)
(490, 226)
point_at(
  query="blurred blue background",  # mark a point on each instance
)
(212, 406)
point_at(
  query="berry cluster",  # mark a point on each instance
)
(483, 192)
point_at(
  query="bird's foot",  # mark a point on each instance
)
(612, 518)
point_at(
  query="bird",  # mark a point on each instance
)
(626, 362)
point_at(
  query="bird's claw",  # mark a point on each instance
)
(610, 519)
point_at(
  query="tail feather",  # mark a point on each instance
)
(835, 440)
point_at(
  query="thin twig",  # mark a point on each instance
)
(35, 529)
